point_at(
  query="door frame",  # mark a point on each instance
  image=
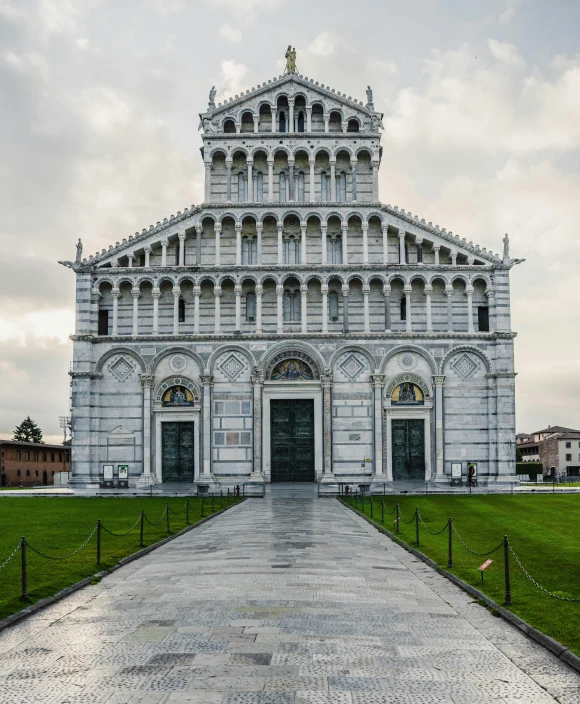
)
(190, 416)
(292, 390)
(313, 466)
(407, 413)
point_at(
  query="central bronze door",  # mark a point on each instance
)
(177, 452)
(292, 435)
(408, 440)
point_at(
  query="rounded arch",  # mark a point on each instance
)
(397, 276)
(217, 150)
(243, 150)
(314, 277)
(226, 277)
(313, 214)
(374, 214)
(354, 118)
(207, 277)
(242, 111)
(281, 148)
(185, 277)
(228, 214)
(355, 275)
(126, 352)
(167, 277)
(105, 280)
(409, 348)
(336, 108)
(154, 363)
(482, 277)
(269, 277)
(291, 275)
(260, 148)
(230, 348)
(207, 216)
(354, 214)
(264, 103)
(269, 214)
(300, 94)
(294, 348)
(282, 94)
(419, 277)
(460, 277)
(353, 348)
(378, 277)
(467, 348)
(414, 378)
(442, 277)
(145, 278)
(124, 279)
(338, 276)
(327, 150)
(334, 214)
(249, 277)
(363, 148)
(176, 380)
(291, 213)
(250, 216)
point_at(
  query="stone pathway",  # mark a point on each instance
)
(276, 602)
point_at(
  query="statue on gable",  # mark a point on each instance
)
(506, 249)
(79, 251)
(207, 125)
(369, 97)
(212, 97)
(376, 123)
(290, 59)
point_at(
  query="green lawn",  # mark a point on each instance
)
(544, 531)
(57, 526)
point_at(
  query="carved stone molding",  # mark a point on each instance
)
(147, 380)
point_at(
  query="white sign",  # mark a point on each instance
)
(456, 470)
(123, 472)
(108, 472)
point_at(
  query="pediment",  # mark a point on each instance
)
(121, 430)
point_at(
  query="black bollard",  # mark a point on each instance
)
(397, 521)
(187, 512)
(383, 511)
(202, 506)
(168, 521)
(141, 529)
(417, 525)
(24, 595)
(506, 567)
(450, 554)
(99, 542)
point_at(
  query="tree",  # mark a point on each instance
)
(519, 457)
(28, 431)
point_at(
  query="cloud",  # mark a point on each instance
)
(233, 78)
(248, 10)
(510, 9)
(506, 53)
(229, 33)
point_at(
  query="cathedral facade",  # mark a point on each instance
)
(293, 327)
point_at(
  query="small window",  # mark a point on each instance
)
(568, 445)
(181, 310)
(36, 456)
(300, 121)
(60, 456)
(27, 456)
(44, 456)
(103, 322)
(18, 473)
(251, 307)
(52, 456)
(404, 308)
(27, 472)
(282, 122)
(483, 318)
(569, 458)
(333, 305)
(219, 408)
(18, 454)
(52, 473)
(141, 260)
(35, 472)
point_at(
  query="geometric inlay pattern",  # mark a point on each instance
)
(121, 369)
(465, 366)
(232, 366)
(178, 363)
(351, 366)
(407, 361)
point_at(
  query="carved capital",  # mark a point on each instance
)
(164, 243)
(181, 235)
(326, 378)
(378, 380)
(135, 293)
(156, 293)
(259, 289)
(439, 380)
(279, 290)
(115, 293)
(147, 380)
(428, 290)
(257, 380)
(206, 380)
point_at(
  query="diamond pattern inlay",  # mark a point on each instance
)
(465, 366)
(351, 366)
(121, 369)
(232, 366)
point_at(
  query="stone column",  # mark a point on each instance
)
(409, 323)
(164, 244)
(327, 122)
(303, 253)
(375, 165)
(344, 230)
(116, 294)
(238, 295)
(367, 321)
(387, 295)
(353, 165)
(402, 257)
(345, 308)
(469, 294)
(323, 230)
(309, 119)
(453, 258)
(136, 295)
(181, 236)
(436, 249)
(304, 307)
(270, 180)
(324, 292)
(147, 251)
(205, 469)
(146, 479)
(449, 294)
(156, 293)
(438, 382)
(176, 296)
(428, 292)
(196, 295)
(259, 291)
(259, 230)
(333, 180)
(385, 229)
(419, 244)
(256, 123)
(198, 245)
(490, 293)
(365, 234)
(312, 185)
(291, 102)
(228, 180)
(326, 384)
(217, 292)
(250, 197)
(257, 386)
(238, 127)
(274, 119)
(344, 125)
(280, 308)
(238, 244)
(94, 319)
(207, 182)
(130, 259)
(378, 383)
(218, 230)
(280, 245)
(291, 194)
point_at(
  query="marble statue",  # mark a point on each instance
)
(506, 248)
(290, 59)
(212, 96)
(369, 96)
(79, 251)
(207, 125)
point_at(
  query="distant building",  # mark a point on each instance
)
(556, 447)
(31, 463)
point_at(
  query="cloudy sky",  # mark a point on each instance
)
(98, 107)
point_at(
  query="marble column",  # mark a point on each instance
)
(345, 308)
(116, 294)
(409, 321)
(312, 184)
(291, 192)
(147, 251)
(375, 165)
(385, 229)
(333, 180)
(218, 231)
(130, 260)
(181, 237)
(280, 309)
(309, 119)
(259, 231)
(449, 294)
(164, 244)
(291, 114)
(303, 253)
(207, 183)
(95, 299)
(238, 244)
(250, 194)
(238, 295)
(304, 308)
(490, 293)
(238, 127)
(280, 245)
(469, 294)
(402, 254)
(419, 245)
(207, 386)
(196, 295)
(156, 293)
(428, 292)
(327, 122)
(365, 234)
(257, 386)
(136, 295)
(367, 321)
(256, 123)
(324, 292)
(259, 291)
(353, 165)
(146, 478)
(217, 310)
(438, 382)
(344, 230)
(270, 180)
(228, 180)
(453, 258)
(198, 231)
(387, 295)
(378, 383)
(323, 231)
(326, 384)
(176, 297)
(274, 120)
(436, 249)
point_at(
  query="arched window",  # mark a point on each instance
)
(251, 307)
(404, 308)
(333, 305)
(300, 121)
(259, 187)
(301, 186)
(352, 126)
(341, 186)
(229, 126)
(292, 250)
(334, 249)
(282, 189)
(324, 195)
(292, 311)
(241, 187)
(282, 122)
(181, 311)
(249, 249)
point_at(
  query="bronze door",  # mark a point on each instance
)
(177, 452)
(292, 440)
(408, 441)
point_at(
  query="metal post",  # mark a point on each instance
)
(167, 514)
(362, 496)
(221, 498)
(371, 502)
(417, 525)
(202, 506)
(383, 511)
(186, 512)
(141, 529)
(397, 521)
(212, 501)
(506, 566)
(24, 595)
(99, 542)
(450, 555)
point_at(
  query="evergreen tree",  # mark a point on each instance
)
(28, 431)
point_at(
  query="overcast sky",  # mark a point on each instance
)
(99, 103)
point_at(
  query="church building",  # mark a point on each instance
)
(292, 327)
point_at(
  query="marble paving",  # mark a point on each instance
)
(275, 602)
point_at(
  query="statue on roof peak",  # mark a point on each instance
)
(290, 59)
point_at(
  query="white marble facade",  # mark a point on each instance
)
(292, 255)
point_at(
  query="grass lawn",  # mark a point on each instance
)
(58, 526)
(544, 531)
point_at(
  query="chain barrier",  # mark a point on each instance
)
(64, 557)
(159, 521)
(430, 531)
(539, 586)
(120, 535)
(474, 552)
(176, 513)
(16, 549)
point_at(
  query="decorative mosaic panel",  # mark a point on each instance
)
(407, 361)
(352, 366)
(121, 369)
(178, 363)
(465, 366)
(232, 366)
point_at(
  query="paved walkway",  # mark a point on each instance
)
(276, 601)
